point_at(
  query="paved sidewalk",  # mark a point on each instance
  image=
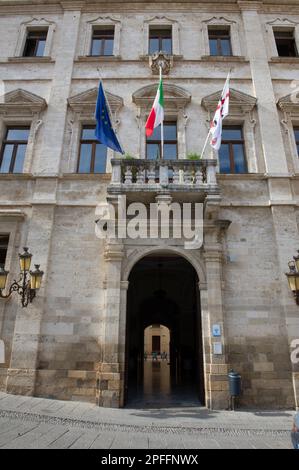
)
(27, 422)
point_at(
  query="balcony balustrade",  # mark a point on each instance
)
(155, 176)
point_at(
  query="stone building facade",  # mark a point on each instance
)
(73, 341)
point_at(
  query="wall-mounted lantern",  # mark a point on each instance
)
(28, 283)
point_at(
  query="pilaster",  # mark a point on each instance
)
(110, 371)
(216, 364)
(21, 375)
(55, 120)
(274, 153)
(287, 242)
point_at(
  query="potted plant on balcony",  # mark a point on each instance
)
(193, 156)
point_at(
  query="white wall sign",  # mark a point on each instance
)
(217, 348)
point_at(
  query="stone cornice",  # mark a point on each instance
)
(246, 5)
(14, 213)
(73, 5)
(19, 7)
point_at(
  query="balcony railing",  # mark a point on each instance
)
(154, 175)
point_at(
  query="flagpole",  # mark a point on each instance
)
(162, 126)
(205, 144)
(108, 105)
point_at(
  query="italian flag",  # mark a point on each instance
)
(156, 115)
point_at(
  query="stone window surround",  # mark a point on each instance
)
(10, 221)
(9, 225)
(104, 21)
(289, 107)
(221, 21)
(81, 113)
(281, 23)
(174, 110)
(160, 21)
(35, 23)
(21, 121)
(242, 113)
(22, 108)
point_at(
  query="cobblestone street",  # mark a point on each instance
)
(39, 423)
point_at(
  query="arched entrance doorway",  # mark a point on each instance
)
(163, 291)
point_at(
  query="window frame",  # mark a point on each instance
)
(15, 143)
(93, 143)
(212, 34)
(4, 247)
(103, 39)
(158, 142)
(230, 143)
(35, 32)
(159, 29)
(291, 38)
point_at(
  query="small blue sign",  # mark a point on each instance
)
(216, 330)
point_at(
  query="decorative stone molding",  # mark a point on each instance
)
(82, 107)
(221, 21)
(289, 106)
(290, 103)
(35, 24)
(21, 103)
(162, 60)
(239, 102)
(175, 97)
(282, 22)
(175, 101)
(161, 20)
(98, 22)
(84, 103)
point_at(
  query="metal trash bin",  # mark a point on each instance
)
(234, 381)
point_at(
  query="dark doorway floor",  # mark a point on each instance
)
(159, 390)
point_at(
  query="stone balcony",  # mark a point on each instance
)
(181, 179)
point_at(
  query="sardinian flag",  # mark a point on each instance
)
(221, 112)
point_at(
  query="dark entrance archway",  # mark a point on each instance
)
(163, 290)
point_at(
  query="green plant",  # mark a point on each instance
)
(128, 156)
(193, 156)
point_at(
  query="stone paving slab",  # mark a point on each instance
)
(27, 422)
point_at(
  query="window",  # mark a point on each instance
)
(93, 154)
(296, 132)
(35, 43)
(153, 143)
(232, 153)
(102, 41)
(14, 149)
(3, 248)
(285, 43)
(160, 40)
(219, 40)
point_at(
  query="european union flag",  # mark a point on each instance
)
(104, 131)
